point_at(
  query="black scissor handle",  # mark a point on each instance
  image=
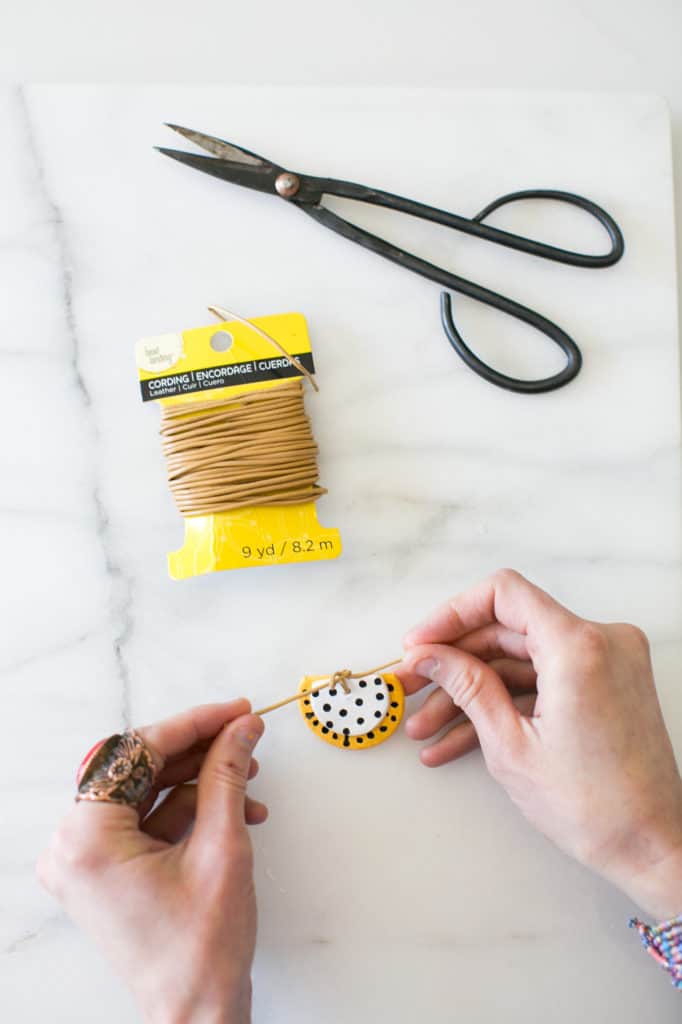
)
(529, 316)
(313, 189)
(453, 282)
(574, 359)
(553, 252)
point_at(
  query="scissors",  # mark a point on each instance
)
(242, 167)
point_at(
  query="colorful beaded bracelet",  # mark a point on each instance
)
(664, 943)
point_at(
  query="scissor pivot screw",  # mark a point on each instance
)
(287, 185)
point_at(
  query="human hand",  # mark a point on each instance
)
(174, 912)
(585, 754)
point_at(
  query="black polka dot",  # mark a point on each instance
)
(332, 693)
(379, 696)
(346, 732)
(377, 714)
(315, 721)
(370, 735)
(343, 712)
(360, 721)
(334, 736)
(330, 725)
(394, 703)
(383, 728)
(325, 729)
(391, 687)
(309, 714)
(306, 702)
(363, 683)
(326, 707)
(359, 739)
(377, 682)
(393, 718)
(359, 701)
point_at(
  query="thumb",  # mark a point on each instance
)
(221, 791)
(476, 689)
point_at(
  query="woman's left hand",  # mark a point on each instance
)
(169, 895)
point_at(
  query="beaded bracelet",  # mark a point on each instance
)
(664, 943)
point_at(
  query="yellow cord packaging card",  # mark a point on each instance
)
(205, 369)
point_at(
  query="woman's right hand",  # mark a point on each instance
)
(584, 753)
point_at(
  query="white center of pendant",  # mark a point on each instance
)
(354, 713)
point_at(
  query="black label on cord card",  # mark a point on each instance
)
(252, 371)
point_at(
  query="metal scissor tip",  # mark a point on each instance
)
(218, 147)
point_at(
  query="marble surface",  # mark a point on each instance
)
(386, 890)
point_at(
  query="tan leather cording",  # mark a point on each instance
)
(339, 678)
(255, 449)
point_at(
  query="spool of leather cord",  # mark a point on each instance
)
(256, 449)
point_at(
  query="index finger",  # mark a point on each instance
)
(506, 597)
(179, 733)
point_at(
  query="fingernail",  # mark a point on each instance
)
(409, 726)
(247, 738)
(249, 732)
(412, 636)
(428, 668)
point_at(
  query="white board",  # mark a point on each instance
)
(386, 891)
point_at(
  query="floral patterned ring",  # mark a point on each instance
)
(118, 770)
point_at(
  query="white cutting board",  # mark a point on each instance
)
(386, 891)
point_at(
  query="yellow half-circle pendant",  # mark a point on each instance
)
(364, 717)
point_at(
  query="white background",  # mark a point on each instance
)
(538, 910)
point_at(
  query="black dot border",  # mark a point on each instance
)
(375, 733)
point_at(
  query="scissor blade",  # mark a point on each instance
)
(260, 178)
(219, 147)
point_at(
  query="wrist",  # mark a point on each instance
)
(232, 1007)
(657, 889)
